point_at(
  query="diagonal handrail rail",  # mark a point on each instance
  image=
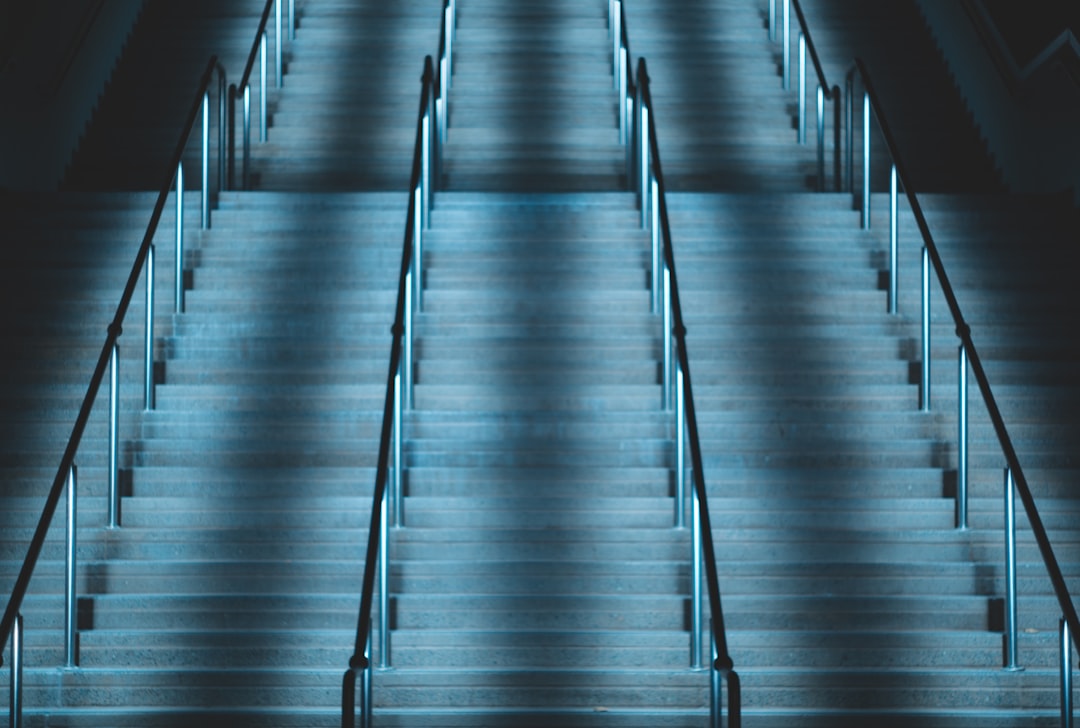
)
(360, 662)
(115, 328)
(963, 332)
(721, 661)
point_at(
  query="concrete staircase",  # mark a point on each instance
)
(538, 579)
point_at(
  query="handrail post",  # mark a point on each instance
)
(205, 197)
(866, 162)
(223, 137)
(772, 20)
(418, 247)
(715, 696)
(179, 277)
(407, 343)
(262, 89)
(894, 241)
(425, 173)
(646, 175)
(616, 39)
(114, 437)
(801, 133)
(962, 443)
(1010, 574)
(384, 587)
(247, 138)
(230, 178)
(680, 447)
(148, 400)
(924, 388)
(821, 138)
(787, 45)
(838, 102)
(449, 19)
(850, 141)
(278, 65)
(71, 612)
(666, 394)
(657, 256)
(399, 511)
(15, 706)
(621, 83)
(1065, 663)
(695, 581)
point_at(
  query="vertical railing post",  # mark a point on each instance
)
(398, 490)
(278, 64)
(821, 138)
(666, 394)
(787, 45)
(366, 709)
(1065, 664)
(657, 254)
(223, 137)
(114, 437)
(1010, 574)
(894, 241)
(838, 107)
(262, 89)
(149, 343)
(204, 207)
(71, 612)
(247, 138)
(292, 19)
(646, 175)
(15, 706)
(849, 104)
(772, 20)
(866, 162)
(695, 581)
(801, 133)
(418, 247)
(449, 19)
(616, 39)
(384, 586)
(407, 341)
(179, 273)
(680, 448)
(230, 162)
(624, 62)
(425, 169)
(715, 697)
(962, 442)
(924, 387)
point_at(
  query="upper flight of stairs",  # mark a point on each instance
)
(532, 100)
(538, 579)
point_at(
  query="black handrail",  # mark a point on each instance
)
(963, 331)
(723, 663)
(359, 661)
(114, 331)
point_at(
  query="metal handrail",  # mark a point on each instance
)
(721, 662)
(376, 558)
(969, 355)
(107, 358)
(825, 92)
(242, 90)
